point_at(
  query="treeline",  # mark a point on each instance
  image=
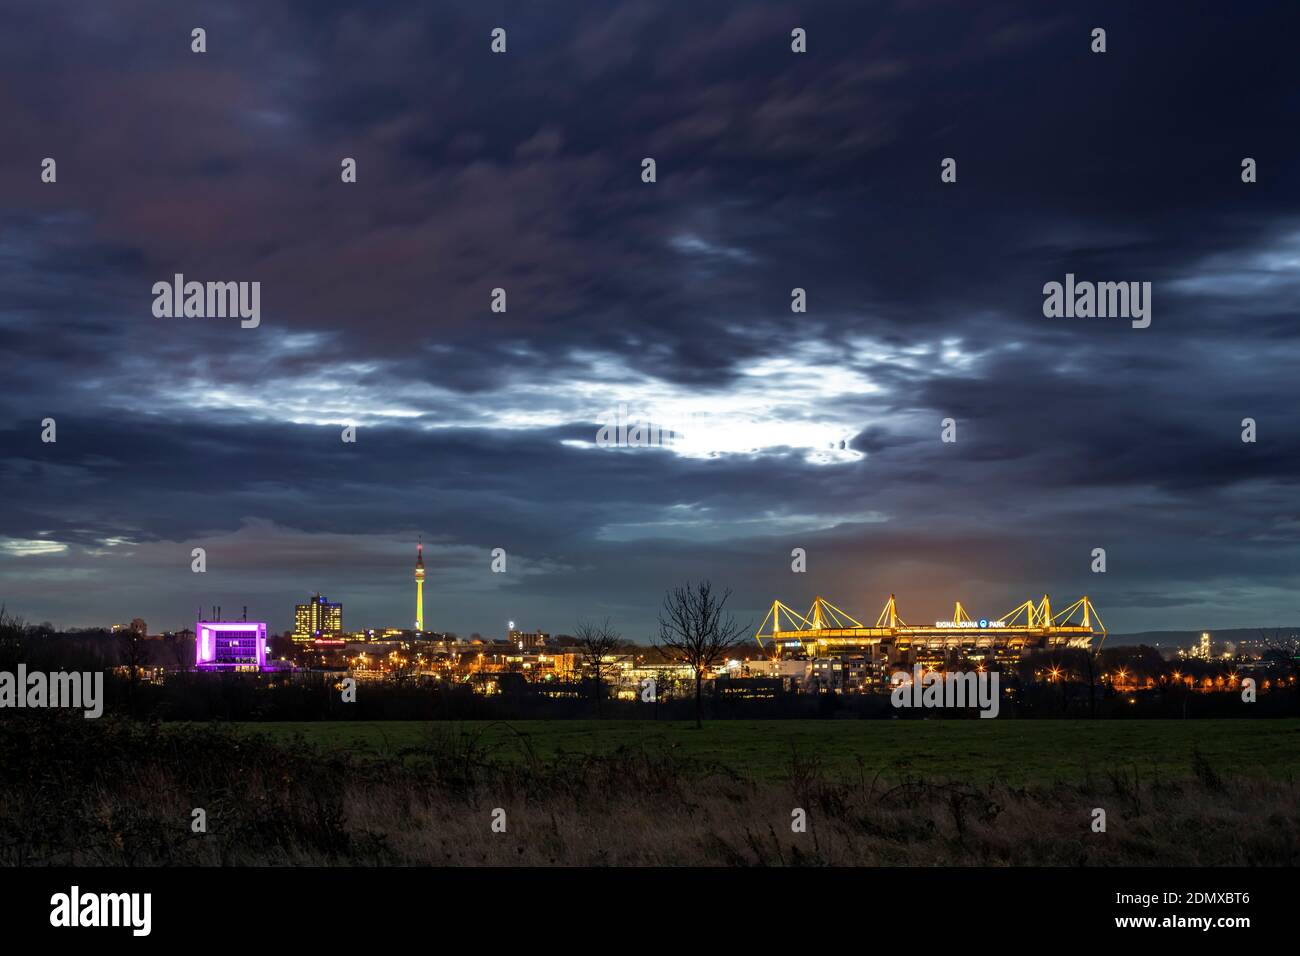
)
(1079, 691)
(310, 697)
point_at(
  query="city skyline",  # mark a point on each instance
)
(665, 302)
(320, 617)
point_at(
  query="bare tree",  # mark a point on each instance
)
(12, 634)
(134, 655)
(663, 687)
(1090, 658)
(181, 650)
(401, 667)
(695, 628)
(597, 642)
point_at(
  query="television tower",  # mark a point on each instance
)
(419, 586)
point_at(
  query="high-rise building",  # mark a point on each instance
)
(1205, 646)
(419, 586)
(317, 618)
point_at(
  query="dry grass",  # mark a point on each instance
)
(122, 794)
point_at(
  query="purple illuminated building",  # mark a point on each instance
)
(230, 645)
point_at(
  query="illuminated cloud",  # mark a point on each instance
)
(28, 548)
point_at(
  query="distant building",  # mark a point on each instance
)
(230, 645)
(317, 618)
(827, 673)
(528, 640)
(783, 668)
(749, 688)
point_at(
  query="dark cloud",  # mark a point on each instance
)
(817, 430)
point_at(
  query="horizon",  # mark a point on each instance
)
(1111, 636)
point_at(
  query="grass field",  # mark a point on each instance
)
(121, 792)
(974, 751)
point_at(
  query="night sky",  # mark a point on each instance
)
(523, 171)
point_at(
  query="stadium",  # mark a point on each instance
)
(827, 631)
